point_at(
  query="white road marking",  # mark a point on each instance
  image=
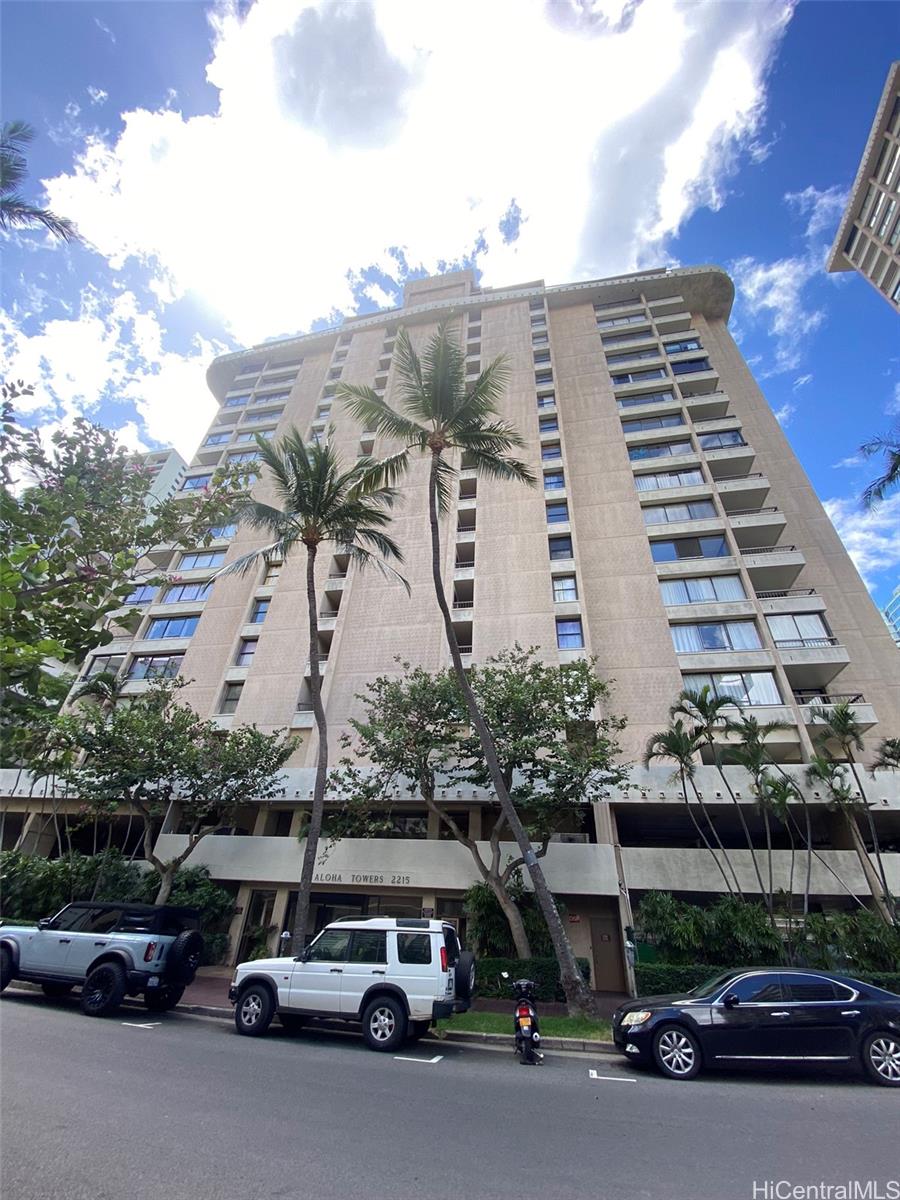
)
(402, 1058)
(592, 1074)
(135, 1025)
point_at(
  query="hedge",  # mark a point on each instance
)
(658, 979)
(544, 972)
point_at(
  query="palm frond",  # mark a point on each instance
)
(889, 446)
(370, 410)
(482, 399)
(444, 484)
(382, 475)
(495, 467)
(246, 562)
(364, 558)
(444, 368)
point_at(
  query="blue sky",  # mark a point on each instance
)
(239, 175)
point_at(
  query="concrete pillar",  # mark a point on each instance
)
(38, 835)
(604, 822)
(237, 921)
(259, 825)
(434, 825)
(475, 822)
(279, 908)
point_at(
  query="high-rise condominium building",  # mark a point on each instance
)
(868, 239)
(674, 538)
(165, 469)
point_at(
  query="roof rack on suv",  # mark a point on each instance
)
(413, 923)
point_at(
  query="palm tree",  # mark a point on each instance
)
(887, 444)
(442, 414)
(887, 755)
(320, 503)
(680, 745)
(14, 209)
(104, 689)
(710, 715)
(751, 753)
(839, 723)
(825, 772)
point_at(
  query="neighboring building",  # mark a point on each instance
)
(868, 240)
(892, 614)
(167, 469)
(676, 538)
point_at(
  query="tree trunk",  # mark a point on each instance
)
(715, 833)
(513, 916)
(578, 997)
(869, 871)
(166, 879)
(876, 845)
(702, 835)
(759, 879)
(809, 852)
(314, 828)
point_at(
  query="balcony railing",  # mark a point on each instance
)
(463, 603)
(745, 550)
(465, 649)
(340, 576)
(814, 699)
(304, 706)
(806, 643)
(752, 512)
(783, 593)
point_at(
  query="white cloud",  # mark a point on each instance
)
(366, 136)
(380, 297)
(872, 538)
(112, 353)
(892, 407)
(97, 95)
(853, 460)
(774, 294)
(783, 415)
(105, 29)
(801, 382)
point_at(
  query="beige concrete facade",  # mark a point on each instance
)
(868, 239)
(646, 386)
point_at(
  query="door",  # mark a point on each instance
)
(414, 968)
(606, 944)
(757, 1026)
(366, 964)
(825, 1022)
(257, 927)
(316, 982)
(46, 951)
(91, 936)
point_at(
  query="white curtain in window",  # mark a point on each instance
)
(729, 587)
(811, 626)
(674, 591)
(783, 629)
(743, 635)
(731, 685)
(646, 483)
(687, 639)
(700, 589)
(761, 688)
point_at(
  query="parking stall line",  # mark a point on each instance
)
(592, 1074)
(429, 1061)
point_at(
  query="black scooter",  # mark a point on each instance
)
(527, 1028)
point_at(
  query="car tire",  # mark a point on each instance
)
(183, 958)
(163, 999)
(417, 1030)
(881, 1058)
(384, 1024)
(676, 1052)
(6, 967)
(55, 991)
(464, 975)
(103, 990)
(254, 1010)
(291, 1022)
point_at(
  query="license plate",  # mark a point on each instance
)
(524, 1024)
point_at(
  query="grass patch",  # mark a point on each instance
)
(488, 1022)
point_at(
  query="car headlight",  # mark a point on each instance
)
(636, 1018)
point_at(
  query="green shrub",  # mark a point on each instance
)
(659, 979)
(544, 972)
(487, 926)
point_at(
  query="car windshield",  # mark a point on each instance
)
(712, 985)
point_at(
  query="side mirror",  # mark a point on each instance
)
(44, 923)
(731, 1000)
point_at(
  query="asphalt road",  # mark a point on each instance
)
(107, 1110)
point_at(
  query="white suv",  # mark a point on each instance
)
(395, 976)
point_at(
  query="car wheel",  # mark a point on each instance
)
(881, 1058)
(183, 957)
(417, 1029)
(54, 991)
(291, 1022)
(163, 999)
(6, 967)
(384, 1024)
(103, 990)
(676, 1052)
(254, 1010)
(464, 976)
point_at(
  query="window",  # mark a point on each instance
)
(553, 480)
(598, 307)
(632, 356)
(201, 558)
(690, 365)
(716, 635)
(618, 339)
(272, 575)
(713, 546)
(659, 450)
(669, 479)
(245, 653)
(216, 439)
(557, 513)
(368, 947)
(222, 531)
(542, 378)
(258, 613)
(550, 451)
(646, 398)
(565, 588)
(270, 397)
(683, 347)
(174, 627)
(615, 322)
(802, 629)
(142, 594)
(560, 546)
(541, 358)
(414, 948)
(548, 424)
(194, 483)
(747, 687)
(331, 946)
(263, 416)
(569, 635)
(546, 400)
(812, 989)
(694, 510)
(231, 694)
(719, 441)
(639, 376)
(250, 435)
(187, 591)
(643, 423)
(104, 664)
(155, 666)
(757, 989)
(702, 589)
(323, 412)
(243, 456)
(236, 401)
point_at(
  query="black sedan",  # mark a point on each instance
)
(765, 1015)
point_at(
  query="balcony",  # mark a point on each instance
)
(327, 619)
(812, 662)
(639, 437)
(304, 717)
(811, 702)
(697, 528)
(670, 462)
(757, 526)
(695, 383)
(730, 460)
(638, 406)
(707, 406)
(790, 600)
(725, 424)
(726, 660)
(323, 663)
(744, 491)
(674, 322)
(697, 566)
(773, 568)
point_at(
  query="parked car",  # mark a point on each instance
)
(394, 976)
(769, 1015)
(110, 950)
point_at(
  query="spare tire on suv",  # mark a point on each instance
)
(464, 975)
(183, 958)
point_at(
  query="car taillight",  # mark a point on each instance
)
(443, 958)
(523, 1011)
(150, 951)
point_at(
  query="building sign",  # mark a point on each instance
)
(363, 878)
